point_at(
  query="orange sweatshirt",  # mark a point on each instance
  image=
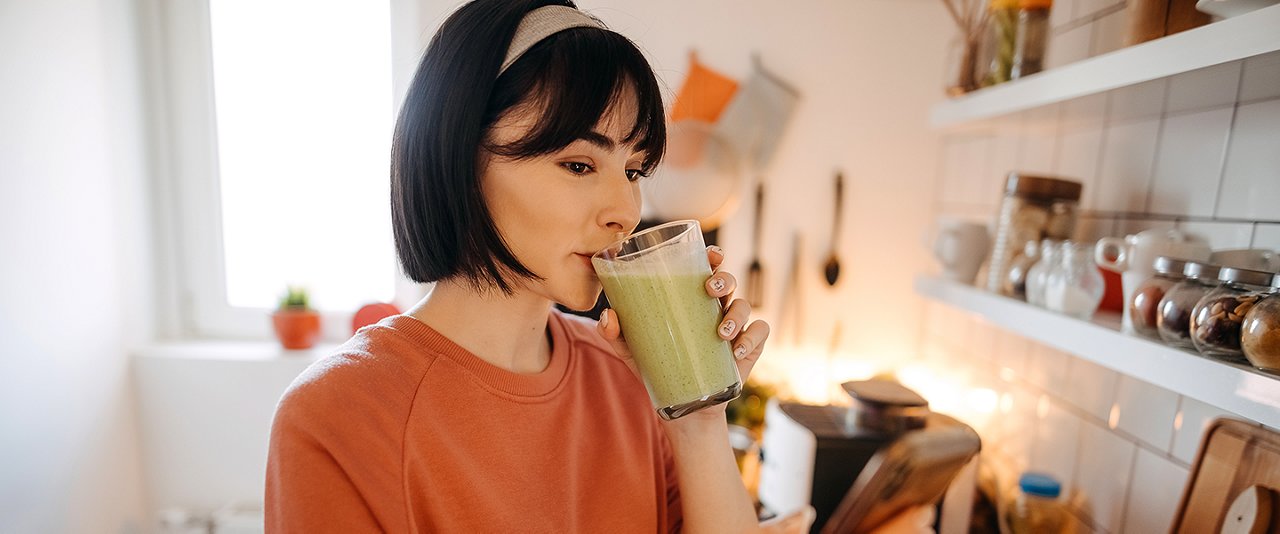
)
(402, 430)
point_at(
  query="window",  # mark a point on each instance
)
(282, 116)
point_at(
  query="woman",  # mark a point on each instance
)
(516, 156)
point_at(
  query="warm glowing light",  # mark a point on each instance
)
(1177, 421)
(1007, 374)
(983, 400)
(1006, 403)
(1113, 419)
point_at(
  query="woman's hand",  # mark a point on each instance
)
(746, 341)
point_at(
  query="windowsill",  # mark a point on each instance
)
(226, 350)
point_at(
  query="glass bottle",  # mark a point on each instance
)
(1036, 509)
(1032, 36)
(1050, 255)
(1075, 287)
(1001, 40)
(1144, 305)
(1217, 319)
(1173, 321)
(1015, 282)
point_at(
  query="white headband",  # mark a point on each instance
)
(542, 23)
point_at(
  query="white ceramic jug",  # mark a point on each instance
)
(1134, 255)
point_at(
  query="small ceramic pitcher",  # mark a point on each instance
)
(1134, 255)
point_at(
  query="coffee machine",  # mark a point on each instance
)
(813, 454)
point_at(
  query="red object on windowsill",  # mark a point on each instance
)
(372, 313)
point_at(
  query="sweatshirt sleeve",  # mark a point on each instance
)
(675, 512)
(307, 490)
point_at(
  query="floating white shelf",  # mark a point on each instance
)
(1235, 388)
(1236, 38)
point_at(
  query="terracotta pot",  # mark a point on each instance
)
(296, 329)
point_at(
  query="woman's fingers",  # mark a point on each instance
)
(610, 329)
(748, 347)
(735, 319)
(715, 256)
(721, 285)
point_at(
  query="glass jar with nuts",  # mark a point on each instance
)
(1173, 314)
(1217, 319)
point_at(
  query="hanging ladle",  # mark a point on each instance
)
(832, 268)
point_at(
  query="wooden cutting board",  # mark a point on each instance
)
(1234, 482)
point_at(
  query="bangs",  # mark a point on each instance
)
(572, 79)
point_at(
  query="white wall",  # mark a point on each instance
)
(75, 269)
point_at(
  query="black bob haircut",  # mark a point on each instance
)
(442, 226)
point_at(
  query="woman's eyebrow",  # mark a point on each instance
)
(600, 140)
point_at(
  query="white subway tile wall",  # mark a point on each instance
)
(1145, 412)
(1254, 153)
(1154, 493)
(1102, 475)
(1204, 145)
(1189, 162)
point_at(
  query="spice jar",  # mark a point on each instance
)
(1033, 34)
(1260, 334)
(1036, 509)
(1001, 40)
(1144, 306)
(1015, 282)
(1174, 318)
(1217, 319)
(1034, 208)
(1075, 287)
(1050, 256)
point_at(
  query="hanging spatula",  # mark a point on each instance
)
(831, 271)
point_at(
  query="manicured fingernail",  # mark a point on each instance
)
(717, 250)
(717, 284)
(739, 352)
(604, 320)
(727, 327)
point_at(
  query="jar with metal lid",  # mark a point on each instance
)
(1260, 333)
(1001, 41)
(1034, 208)
(1050, 256)
(1033, 35)
(1217, 319)
(1174, 318)
(1075, 287)
(1144, 306)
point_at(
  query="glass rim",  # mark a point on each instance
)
(691, 223)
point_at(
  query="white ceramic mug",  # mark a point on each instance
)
(1134, 255)
(961, 247)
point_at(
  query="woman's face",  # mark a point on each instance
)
(555, 211)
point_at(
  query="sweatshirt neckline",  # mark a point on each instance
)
(523, 385)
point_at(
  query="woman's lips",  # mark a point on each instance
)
(586, 260)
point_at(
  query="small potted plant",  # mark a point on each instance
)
(297, 325)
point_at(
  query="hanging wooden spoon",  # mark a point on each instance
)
(832, 268)
(755, 273)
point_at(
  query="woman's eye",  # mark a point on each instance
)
(636, 174)
(576, 167)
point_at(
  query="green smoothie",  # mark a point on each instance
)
(670, 324)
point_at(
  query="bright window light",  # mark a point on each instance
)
(303, 99)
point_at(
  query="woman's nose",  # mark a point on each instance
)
(622, 206)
